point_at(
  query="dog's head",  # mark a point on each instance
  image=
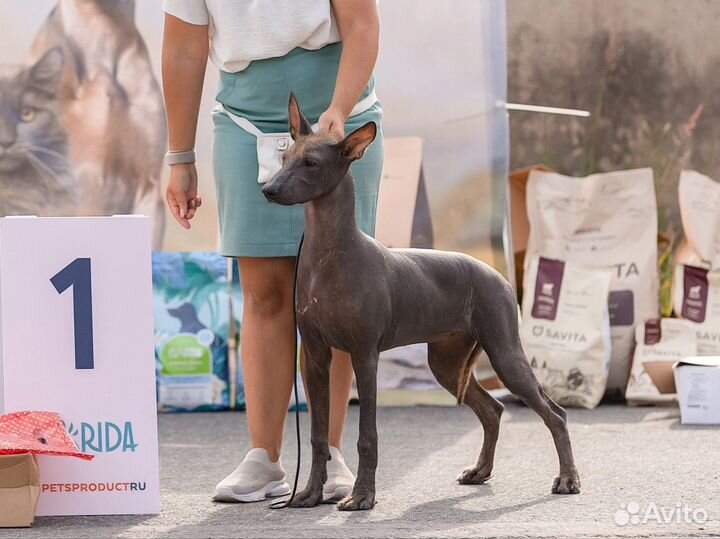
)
(316, 163)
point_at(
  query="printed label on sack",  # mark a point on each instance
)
(653, 332)
(547, 288)
(621, 306)
(695, 293)
(186, 373)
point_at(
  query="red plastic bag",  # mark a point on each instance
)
(39, 433)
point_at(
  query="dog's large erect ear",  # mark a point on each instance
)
(299, 126)
(354, 145)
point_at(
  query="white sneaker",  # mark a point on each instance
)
(255, 479)
(340, 479)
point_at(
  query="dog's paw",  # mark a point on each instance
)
(357, 501)
(310, 497)
(567, 483)
(474, 476)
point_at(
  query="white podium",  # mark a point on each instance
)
(76, 337)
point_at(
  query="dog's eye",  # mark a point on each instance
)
(310, 163)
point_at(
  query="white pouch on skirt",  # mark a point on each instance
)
(272, 146)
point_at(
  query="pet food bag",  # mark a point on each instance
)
(696, 298)
(192, 318)
(236, 309)
(598, 221)
(565, 329)
(699, 200)
(696, 281)
(659, 344)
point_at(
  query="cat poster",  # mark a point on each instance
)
(81, 112)
(82, 124)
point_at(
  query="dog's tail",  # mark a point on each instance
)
(466, 373)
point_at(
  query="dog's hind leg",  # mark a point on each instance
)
(451, 361)
(495, 326)
(488, 409)
(517, 375)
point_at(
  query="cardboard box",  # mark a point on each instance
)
(403, 209)
(659, 344)
(661, 374)
(697, 380)
(19, 490)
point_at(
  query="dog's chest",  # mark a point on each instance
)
(314, 301)
(326, 301)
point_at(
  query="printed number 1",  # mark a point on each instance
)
(77, 275)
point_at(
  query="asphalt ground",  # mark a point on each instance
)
(643, 475)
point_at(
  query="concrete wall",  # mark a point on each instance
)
(648, 70)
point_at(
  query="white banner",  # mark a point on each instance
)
(77, 338)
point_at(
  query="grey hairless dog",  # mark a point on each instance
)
(355, 295)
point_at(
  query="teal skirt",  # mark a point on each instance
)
(249, 225)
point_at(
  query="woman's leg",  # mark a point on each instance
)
(266, 345)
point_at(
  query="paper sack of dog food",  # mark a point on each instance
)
(699, 200)
(598, 221)
(696, 298)
(696, 281)
(660, 343)
(565, 329)
(192, 317)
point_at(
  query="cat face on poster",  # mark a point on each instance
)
(90, 115)
(35, 177)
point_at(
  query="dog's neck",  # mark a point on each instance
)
(330, 219)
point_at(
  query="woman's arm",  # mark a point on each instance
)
(359, 28)
(184, 57)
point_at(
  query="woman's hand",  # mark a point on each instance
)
(184, 57)
(181, 195)
(359, 28)
(332, 122)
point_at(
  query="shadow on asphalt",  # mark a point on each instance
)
(429, 518)
(80, 522)
(618, 414)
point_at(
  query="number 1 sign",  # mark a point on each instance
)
(76, 337)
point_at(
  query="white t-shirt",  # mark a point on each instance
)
(245, 30)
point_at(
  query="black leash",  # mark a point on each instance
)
(282, 504)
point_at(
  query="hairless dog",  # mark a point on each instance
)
(355, 295)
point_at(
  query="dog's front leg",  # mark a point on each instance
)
(317, 381)
(363, 493)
